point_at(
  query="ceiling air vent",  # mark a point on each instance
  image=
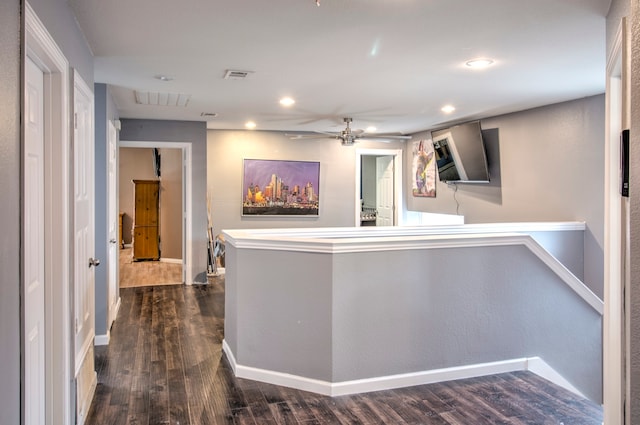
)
(208, 114)
(161, 99)
(233, 74)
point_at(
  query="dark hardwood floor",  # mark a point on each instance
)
(164, 365)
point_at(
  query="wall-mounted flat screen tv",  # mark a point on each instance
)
(460, 154)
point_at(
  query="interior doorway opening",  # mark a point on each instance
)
(378, 187)
(169, 162)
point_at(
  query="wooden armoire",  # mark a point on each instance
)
(146, 220)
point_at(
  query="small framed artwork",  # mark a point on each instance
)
(424, 169)
(280, 188)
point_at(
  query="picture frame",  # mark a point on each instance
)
(272, 187)
(424, 169)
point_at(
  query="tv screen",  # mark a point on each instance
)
(460, 154)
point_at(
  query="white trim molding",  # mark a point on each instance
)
(43, 50)
(333, 389)
(371, 239)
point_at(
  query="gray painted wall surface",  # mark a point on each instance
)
(185, 132)
(10, 98)
(546, 164)
(352, 316)
(105, 111)
(227, 149)
(283, 306)
(101, 202)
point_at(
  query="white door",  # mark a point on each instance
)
(84, 264)
(114, 242)
(33, 254)
(384, 191)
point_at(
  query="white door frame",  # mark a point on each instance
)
(113, 245)
(84, 246)
(42, 49)
(187, 196)
(397, 178)
(617, 111)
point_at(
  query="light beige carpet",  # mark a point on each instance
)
(147, 273)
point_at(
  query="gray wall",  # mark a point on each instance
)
(227, 149)
(546, 164)
(353, 316)
(185, 132)
(105, 111)
(10, 98)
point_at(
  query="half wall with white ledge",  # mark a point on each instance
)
(347, 310)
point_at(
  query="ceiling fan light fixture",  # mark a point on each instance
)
(479, 63)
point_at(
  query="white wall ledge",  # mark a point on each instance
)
(342, 240)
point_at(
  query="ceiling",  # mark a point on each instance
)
(392, 64)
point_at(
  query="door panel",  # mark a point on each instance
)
(114, 228)
(33, 246)
(84, 271)
(384, 191)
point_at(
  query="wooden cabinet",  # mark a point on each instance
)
(146, 220)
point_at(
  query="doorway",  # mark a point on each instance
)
(174, 161)
(378, 187)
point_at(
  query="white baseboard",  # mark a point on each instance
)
(102, 339)
(532, 364)
(171, 260)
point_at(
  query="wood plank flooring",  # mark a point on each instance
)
(147, 273)
(164, 365)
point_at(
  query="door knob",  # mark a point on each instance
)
(112, 241)
(94, 262)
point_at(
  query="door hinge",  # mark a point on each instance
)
(75, 120)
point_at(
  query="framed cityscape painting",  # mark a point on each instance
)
(280, 188)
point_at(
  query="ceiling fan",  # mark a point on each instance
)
(349, 136)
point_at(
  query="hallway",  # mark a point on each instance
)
(164, 365)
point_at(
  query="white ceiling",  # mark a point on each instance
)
(388, 63)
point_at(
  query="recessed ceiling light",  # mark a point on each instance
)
(479, 63)
(250, 125)
(447, 109)
(287, 101)
(371, 129)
